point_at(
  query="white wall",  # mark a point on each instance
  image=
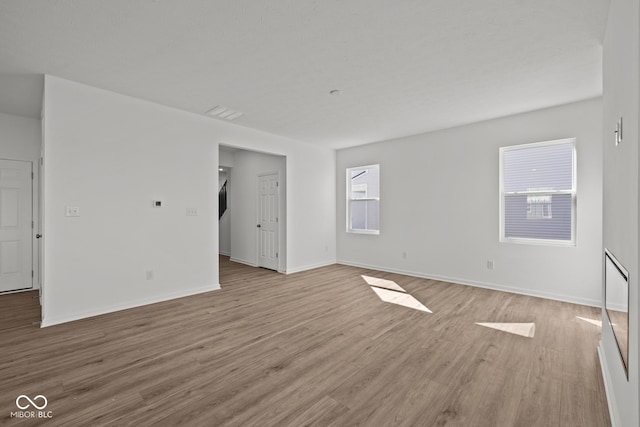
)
(20, 139)
(226, 156)
(440, 205)
(621, 95)
(111, 155)
(244, 204)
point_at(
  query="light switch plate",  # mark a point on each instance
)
(72, 211)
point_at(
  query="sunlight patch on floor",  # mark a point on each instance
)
(592, 321)
(383, 283)
(400, 298)
(522, 329)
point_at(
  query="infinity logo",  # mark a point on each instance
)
(31, 402)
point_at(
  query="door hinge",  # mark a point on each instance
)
(277, 184)
(32, 274)
(276, 254)
(277, 219)
(41, 161)
(32, 176)
(32, 224)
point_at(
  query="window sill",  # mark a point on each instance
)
(374, 232)
(539, 242)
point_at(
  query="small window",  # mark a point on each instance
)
(538, 193)
(363, 199)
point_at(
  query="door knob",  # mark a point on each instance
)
(258, 226)
(38, 236)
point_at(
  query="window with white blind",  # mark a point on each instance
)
(538, 193)
(363, 199)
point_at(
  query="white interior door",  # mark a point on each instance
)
(268, 221)
(15, 225)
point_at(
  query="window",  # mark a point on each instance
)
(363, 199)
(538, 193)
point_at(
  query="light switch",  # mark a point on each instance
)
(72, 211)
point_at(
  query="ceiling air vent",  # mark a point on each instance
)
(222, 112)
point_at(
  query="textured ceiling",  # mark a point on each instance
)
(403, 66)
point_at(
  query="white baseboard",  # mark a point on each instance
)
(492, 286)
(19, 290)
(225, 253)
(608, 387)
(308, 267)
(50, 321)
(242, 261)
(288, 270)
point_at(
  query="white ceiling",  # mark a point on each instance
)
(403, 66)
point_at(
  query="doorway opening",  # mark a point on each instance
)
(19, 244)
(17, 226)
(252, 229)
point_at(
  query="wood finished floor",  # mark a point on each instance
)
(316, 348)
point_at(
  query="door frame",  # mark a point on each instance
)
(40, 230)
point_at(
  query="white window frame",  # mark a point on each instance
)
(573, 192)
(349, 199)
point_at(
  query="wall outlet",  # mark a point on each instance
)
(490, 264)
(192, 211)
(149, 274)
